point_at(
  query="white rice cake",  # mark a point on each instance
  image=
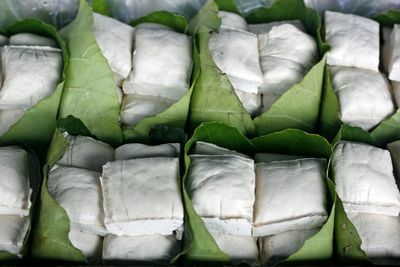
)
(394, 60)
(278, 247)
(251, 102)
(3, 40)
(13, 230)
(162, 64)
(87, 153)
(153, 26)
(283, 64)
(89, 244)
(15, 191)
(241, 249)
(136, 150)
(271, 157)
(232, 21)
(78, 192)
(204, 148)
(142, 196)
(236, 54)
(32, 40)
(266, 27)
(290, 195)
(30, 75)
(364, 96)
(380, 236)
(8, 118)
(354, 41)
(364, 179)
(135, 108)
(145, 248)
(115, 40)
(221, 188)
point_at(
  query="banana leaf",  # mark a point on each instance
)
(32, 130)
(50, 236)
(89, 90)
(35, 182)
(199, 245)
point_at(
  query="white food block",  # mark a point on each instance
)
(31, 39)
(3, 40)
(204, 148)
(221, 188)
(232, 21)
(271, 157)
(162, 64)
(380, 236)
(236, 54)
(396, 93)
(15, 190)
(87, 153)
(241, 249)
(394, 60)
(136, 150)
(290, 195)
(115, 40)
(364, 96)
(13, 230)
(30, 75)
(278, 247)
(142, 196)
(266, 27)
(364, 179)
(354, 40)
(153, 26)
(78, 192)
(145, 248)
(8, 118)
(89, 244)
(135, 108)
(386, 48)
(251, 102)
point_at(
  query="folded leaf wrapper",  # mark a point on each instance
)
(214, 98)
(199, 244)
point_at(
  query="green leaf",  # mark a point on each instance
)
(213, 97)
(32, 130)
(175, 21)
(228, 5)
(388, 130)
(388, 19)
(89, 92)
(298, 107)
(50, 236)
(73, 126)
(199, 244)
(102, 7)
(205, 19)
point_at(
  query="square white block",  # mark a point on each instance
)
(142, 196)
(364, 179)
(204, 148)
(232, 21)
(278, 247)
(13, 230)
(87, 153)
(136, 150)
(31, 73)
(394, 60)
(26, 38)
(15, 191)
(162, 64)
(236, 54)
(135, 108)
(145, 248)
(266, 27)
(221, 188)
(271, 157)
(364, 96)
(241, 249)
(115, 40)
(380, 236)
(354, 40)
(290, 195)
(78, 192)
(8, 118)
(89, 244)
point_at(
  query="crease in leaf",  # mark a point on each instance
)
(89, 92)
